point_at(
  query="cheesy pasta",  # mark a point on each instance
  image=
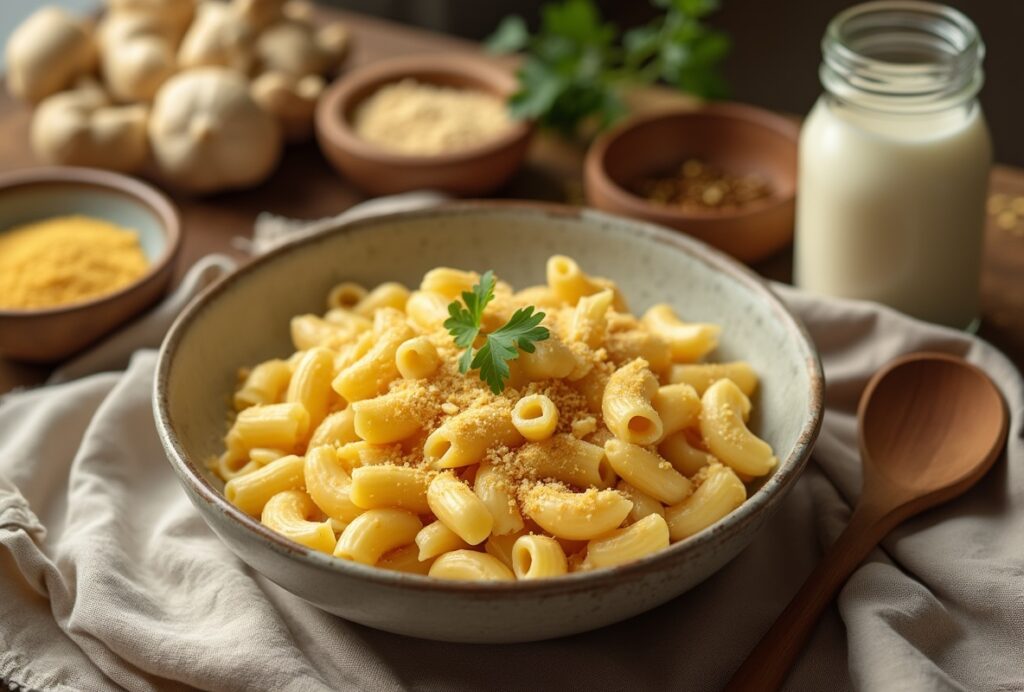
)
(611, 439)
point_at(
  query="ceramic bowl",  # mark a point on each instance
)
(739, 138)
(222, 331)
(50, 334)
(474, 171)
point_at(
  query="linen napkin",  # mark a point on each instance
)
(110, 579)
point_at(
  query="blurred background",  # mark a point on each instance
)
(775, 53)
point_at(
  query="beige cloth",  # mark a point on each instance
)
(109, 578)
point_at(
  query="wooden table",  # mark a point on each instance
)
(304, 186)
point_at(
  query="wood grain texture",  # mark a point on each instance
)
(931, 426)
(306, 187)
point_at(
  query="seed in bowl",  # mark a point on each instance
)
(468, 431)
(419, 119)
(699, 186)
(66, 260)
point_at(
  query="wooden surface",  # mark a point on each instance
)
(305, 187)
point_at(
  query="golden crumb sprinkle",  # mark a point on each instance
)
(549, 470)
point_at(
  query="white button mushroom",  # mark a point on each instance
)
(260, 13)
(46, 53)
(298, 48)
(173, 14)
(82, 128)
(291, 100)
(137, 54)
(207, 133)
(220, 35)
(299, 10)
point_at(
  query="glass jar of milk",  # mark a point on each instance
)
(894, 163)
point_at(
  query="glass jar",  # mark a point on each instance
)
(894, 163)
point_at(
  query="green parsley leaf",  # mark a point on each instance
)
(521, 332)
(464, 322)
(510, 36)
(539, 88)
(504, 344)
(578, 21)
(576, 66)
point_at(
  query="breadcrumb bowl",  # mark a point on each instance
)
(738, 138)
(50, 334)
(222, 330)
(474, 171)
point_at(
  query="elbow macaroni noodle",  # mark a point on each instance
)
(613, 439)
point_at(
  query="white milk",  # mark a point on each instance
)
(894, 164)
(892, 209)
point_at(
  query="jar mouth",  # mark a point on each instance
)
(902, 56)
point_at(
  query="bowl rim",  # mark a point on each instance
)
(333, 126)
(138, 191)
(771, 491)
(597, 156)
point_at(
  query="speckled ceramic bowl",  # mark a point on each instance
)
(244, 319)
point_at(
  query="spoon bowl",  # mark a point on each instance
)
(929, 421)
(931, 425)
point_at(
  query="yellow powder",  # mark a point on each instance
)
(66, 259)
(423, 119)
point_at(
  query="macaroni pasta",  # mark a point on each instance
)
(612, 438)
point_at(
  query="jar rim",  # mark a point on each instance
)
(902, 56)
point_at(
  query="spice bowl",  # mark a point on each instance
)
(52, 333)
(737, 139)
(472, 171)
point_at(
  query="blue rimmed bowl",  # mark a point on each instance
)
(46, 335)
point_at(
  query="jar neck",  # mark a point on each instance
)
(902, 57)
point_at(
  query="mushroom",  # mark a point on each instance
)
(220, 35)
(299, 11)
(46, 53)
(260, 13)
(291, 100)
(263, 13)
(297, 48)
(136, 54)
(207, 133)
(81, 127)
(332, 40)
(174, 15)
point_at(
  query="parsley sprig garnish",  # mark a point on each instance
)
(577, 68)
(520, 333)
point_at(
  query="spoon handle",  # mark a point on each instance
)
(768, 664)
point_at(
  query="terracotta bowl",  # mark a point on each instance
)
(51, 334)
(739, 138)
(221, 331)
(474, 171)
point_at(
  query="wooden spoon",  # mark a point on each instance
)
(931, 425)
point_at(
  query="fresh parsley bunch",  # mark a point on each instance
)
(501, 345)
(575, 66)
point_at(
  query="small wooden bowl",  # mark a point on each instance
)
(739, 138)
(51, 334)
(473, 171)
